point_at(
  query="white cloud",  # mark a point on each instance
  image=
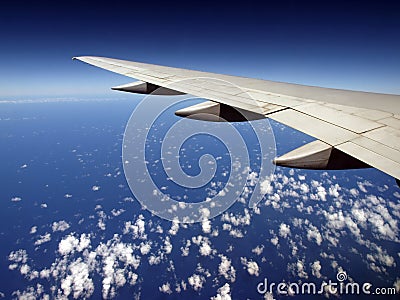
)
(236, 233)
(365, 219)
(205, 248)
(174, 227)
(74, 275)
(266, 187)
(25, 269)
(43, 239)
(167, 245)
(354, 192)
(206, 226)
(381, 256)
(165, 288)
(275, 240)
(316, 269)
(284, 230)
(137, 229)
(334, 190)
(252, 266)
(203, 243)
(60, 226)
(154, 260)
(396, 285)
(78, 281)
(133, 278)
(361, 186)
(70, 243)
(301, 177)
(100, 223)
(269, 296)
(117, 212)
(196, 281)
(197, 239)
(226, 269)
(223, 293)
(16, 199)
(321, 193)
(314, 234)
(185, 250)
(237, 219)
(108, 271)
(115, 254)
(205, 212)
(45, 273)
(19, 256)
(145, 248)
(300, 269)
(304, 188)
(359, 215)
(258, 250)
(226, 226)
(95, 188)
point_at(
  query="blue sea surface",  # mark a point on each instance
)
(71, 228)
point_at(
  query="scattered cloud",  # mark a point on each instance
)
(302, 213)
(60, 226)
(223, 293)
(226, 269)
(316, 269)
(196, 281)
(43, 239)
(165, 288)
(284, 230)
(252, 266)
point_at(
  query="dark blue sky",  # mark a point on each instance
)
(353, 45)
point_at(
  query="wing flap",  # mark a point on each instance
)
(338, 117)
(378, 148)
(391, 122)
(275, 99)
(324, 131)
(372, 157)
(235, 97)
(385, 135)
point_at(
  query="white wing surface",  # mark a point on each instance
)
(353, 129)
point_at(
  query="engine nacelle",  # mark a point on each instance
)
(217, 112)
(141, 87)
(318, 155)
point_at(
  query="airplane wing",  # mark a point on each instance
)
(352, 129)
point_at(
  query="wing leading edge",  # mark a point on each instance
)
(353, 129)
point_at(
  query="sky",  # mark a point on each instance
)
(349, 44)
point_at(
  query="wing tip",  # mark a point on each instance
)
(78, 57)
